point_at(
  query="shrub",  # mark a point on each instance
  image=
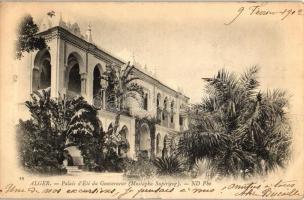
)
(142, 168)
(39, 150)
(168, 165)
(56, 124)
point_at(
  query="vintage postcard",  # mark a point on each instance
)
(132, 100)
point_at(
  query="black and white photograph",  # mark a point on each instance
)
(158, 100)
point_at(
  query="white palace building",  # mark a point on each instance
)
(73, 64)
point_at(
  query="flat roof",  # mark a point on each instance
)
(110, 54)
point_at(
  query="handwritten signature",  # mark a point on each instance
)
(279, 189)
(261, 10)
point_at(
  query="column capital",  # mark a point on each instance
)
(83, 76)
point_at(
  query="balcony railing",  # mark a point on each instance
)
(98, 101)
(184, 110)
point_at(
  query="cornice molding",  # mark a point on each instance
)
(145, 77)
(61, 33)
(58, 32)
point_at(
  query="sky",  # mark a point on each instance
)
(186, 42)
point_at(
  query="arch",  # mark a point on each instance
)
(165, 103)
(181, 120)
(73, 58)
(100, 67)
(97, 72)
(172, 111)
(68, 159)
(158, 99)
(144, 141)
(40, 56)
(41, 74)
(158, 140)
(172, 105)
(165, 151)
(74, 84)
(158, 107)
(74, 78)
(35, 79)
(123, 148)
(45, 75)
(146, 101)
(171, 118)
(165, 113)
(75, 154)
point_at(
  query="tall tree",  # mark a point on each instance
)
(121, 86)
(56, 124)
(239, 128)
(27, 40)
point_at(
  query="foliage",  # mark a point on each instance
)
(169, 165)
(121, 86)
(40, 149)
(27, 40)
(58, 123)
(238, 127)
(142, 168)
(55, 125)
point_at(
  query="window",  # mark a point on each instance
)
(172, 106)
(165, 103)
(180, 120)
(158, 100)
(146, 101)
(172, 111)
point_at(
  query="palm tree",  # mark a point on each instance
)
(241, 129)
(121, 86)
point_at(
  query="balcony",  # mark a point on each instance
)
(111, 107)
(183, 110)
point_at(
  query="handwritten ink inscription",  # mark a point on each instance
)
(262, 10)
(135, 189)
(253, 189)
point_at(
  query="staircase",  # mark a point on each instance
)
(72, 169)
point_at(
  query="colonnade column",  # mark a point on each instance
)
(56, 63)
(83, 77)
(103, 93)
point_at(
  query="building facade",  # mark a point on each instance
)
(73, 64)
